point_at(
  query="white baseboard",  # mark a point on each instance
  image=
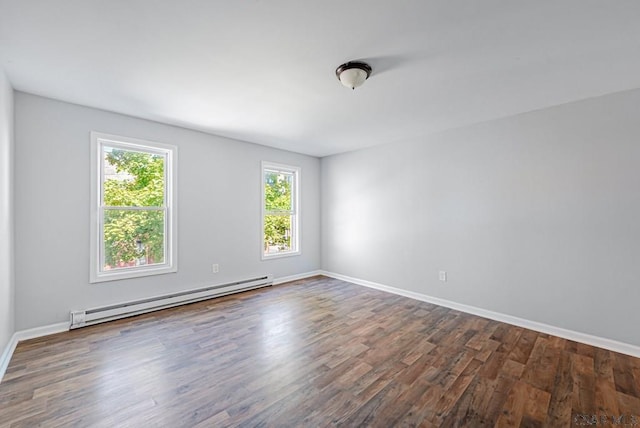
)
(600, 342)
(31, 333)
(46, 330)
(6, 355)
(296, 277)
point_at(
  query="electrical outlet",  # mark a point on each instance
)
(442, 275)
(215, 268)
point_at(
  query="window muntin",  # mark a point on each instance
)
(280, 210)
(133, 216)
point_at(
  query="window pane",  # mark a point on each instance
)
(133, 238)
(277, 191)
(277, 233)
(132, 178)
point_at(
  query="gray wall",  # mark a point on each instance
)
(218, 212)
(536, 216)
(6, 212)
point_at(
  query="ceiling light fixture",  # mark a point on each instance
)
(353, 74)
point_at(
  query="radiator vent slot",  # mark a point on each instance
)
(92, 316)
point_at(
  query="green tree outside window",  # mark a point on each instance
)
(134, 236)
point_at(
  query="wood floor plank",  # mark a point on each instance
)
(316, 352)
(583, 384)
(560, 403)
(605, 383)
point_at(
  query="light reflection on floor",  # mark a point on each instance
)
(280, 337)
(146, 372)
(277, 330)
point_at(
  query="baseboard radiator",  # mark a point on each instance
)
(93, 316)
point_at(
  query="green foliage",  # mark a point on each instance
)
(278, 201)
(134, 237)
(144, 189)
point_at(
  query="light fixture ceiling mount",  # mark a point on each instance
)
(353, 73)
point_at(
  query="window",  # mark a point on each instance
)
(280, 210)
(133, 224)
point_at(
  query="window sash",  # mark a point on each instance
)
(294, 185)
(165, 245)
(102, 143)
(280, 212)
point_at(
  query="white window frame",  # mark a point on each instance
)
(295, 212)
(98, 140)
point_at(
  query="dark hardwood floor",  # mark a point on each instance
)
(318, 352)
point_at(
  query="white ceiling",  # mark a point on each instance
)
(263, 71)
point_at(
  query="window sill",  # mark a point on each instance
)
(281, 255)
(134, 273)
